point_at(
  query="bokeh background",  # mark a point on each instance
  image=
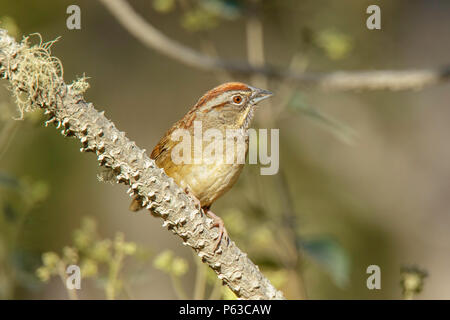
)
(364, 176)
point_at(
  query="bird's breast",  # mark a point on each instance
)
(207, 182)
(216, 170)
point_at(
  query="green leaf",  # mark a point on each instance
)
(330, 255)
(199, 19)
(38, 192)
(9, 181)
(336, 45)
(226, 9)
(10, 212)
(164, 6)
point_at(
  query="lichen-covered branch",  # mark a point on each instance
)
(36, 81)
(337, 80)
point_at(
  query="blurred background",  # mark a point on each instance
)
(364, 176)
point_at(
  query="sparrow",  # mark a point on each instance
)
(229, 106)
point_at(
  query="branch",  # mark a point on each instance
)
(338, 80)
(36, 82)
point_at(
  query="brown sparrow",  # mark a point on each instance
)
(228, 106)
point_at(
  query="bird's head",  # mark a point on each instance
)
(231, 103)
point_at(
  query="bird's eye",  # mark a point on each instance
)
(237, 99)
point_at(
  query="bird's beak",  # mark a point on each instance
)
(259, 95)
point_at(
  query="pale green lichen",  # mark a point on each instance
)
(79, 86)
(35, 75)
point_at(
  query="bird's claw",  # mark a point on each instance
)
(218, 222)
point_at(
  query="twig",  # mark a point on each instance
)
(255, 49)
(255, 58)
(32, 71)
(113, 274)
(337, 80)
(178, 288)
(200, 281)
